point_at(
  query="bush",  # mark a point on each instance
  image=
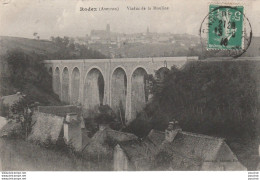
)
(27, 69)
(140, 126)
(101, 114)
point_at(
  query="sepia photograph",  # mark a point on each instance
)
(129, 85)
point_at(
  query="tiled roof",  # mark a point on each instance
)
(157, 137)
(198, 146)
(137, 149)
(104, 141)
(188, 151)
(47, 128)
(139, 153)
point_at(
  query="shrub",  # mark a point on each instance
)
(27, 68)
(140, 126)
(101, 114)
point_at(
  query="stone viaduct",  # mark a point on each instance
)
(120, 83)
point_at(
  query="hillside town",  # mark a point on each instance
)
(113, 38)
(115, 44)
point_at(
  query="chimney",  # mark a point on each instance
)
(172, 130)
(71, 117)
(259, 150)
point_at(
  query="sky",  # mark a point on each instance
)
(21, 18)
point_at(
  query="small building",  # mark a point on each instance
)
(190, 151)
(46, 129)
(103, 142)
(62, 111)
(58, 125)
(138, 154)
(175, 149)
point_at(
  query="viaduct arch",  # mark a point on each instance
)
(56, 82)
(120, 83)
(139, 93)
(75, 85)
(119, 91)
(93, 89)
(65, 85)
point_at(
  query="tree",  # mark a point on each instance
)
(36, 35)
(213, 98)
(68, 49)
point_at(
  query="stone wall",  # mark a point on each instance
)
(120, 160)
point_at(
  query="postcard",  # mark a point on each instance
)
(129, 85)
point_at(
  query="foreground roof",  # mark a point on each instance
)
(46, 128)
(200, 152)
(105, 140)
(206, 148)
(157, 137)
(187, 151)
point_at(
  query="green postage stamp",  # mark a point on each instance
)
(225, 27)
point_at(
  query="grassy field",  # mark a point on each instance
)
(19, 155)
(27, 45)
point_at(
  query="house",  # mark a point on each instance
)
(57, 125)
(190, 151)
(62, 111)
(103, 142)
(46, 128)
(175, 149)
(138, 154)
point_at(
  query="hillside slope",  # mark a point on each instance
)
(27, 45)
